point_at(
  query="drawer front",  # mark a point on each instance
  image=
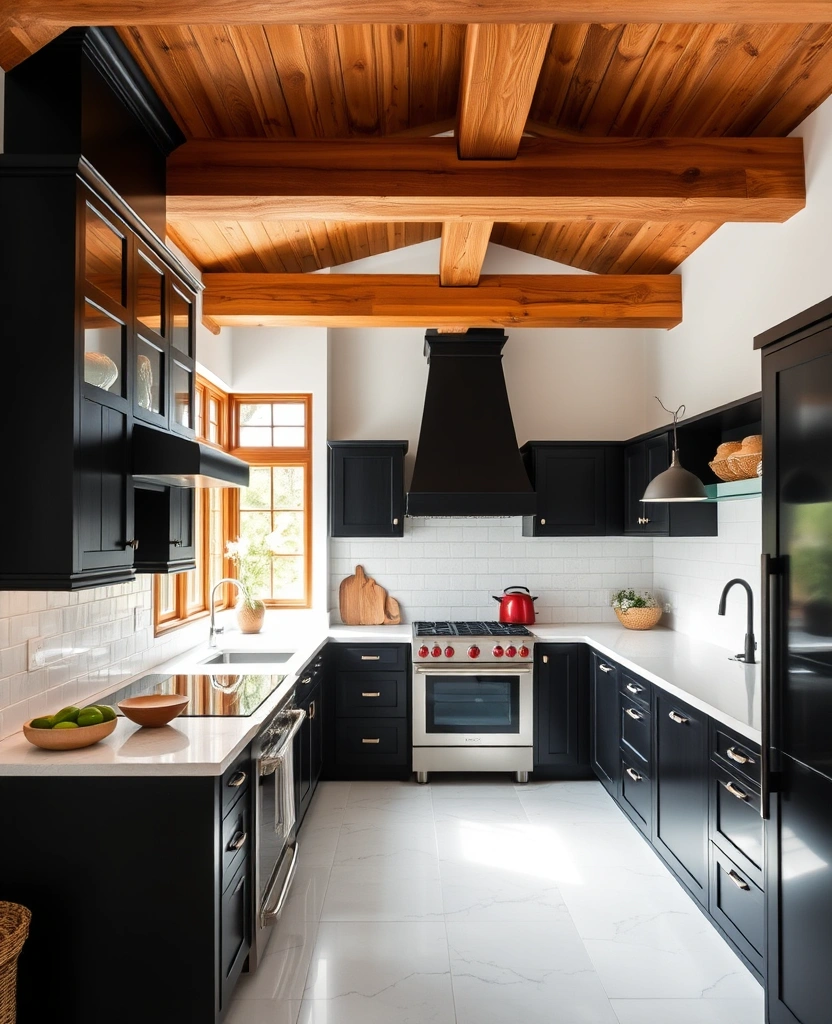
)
(736, 825)
(367, 657)
(635, 728)
(636, 793)
(236, 836)
(736, 753)
(235, 929)
(634, 687)
(738, 907)
(371, 741)
(235, 780)
(371, 695)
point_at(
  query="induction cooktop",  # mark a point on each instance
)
(229, 696)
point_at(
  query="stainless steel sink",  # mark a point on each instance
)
(248, 657)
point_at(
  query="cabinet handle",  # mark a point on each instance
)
(134, 544)
(306, 681)
(395, 522)
(237, 779)
(735, 791)
(633, 714)
(545, 659)
(677, 718)
(371, 741)
(634, 689)
(311, 713)
(373, 693)
(739, 758)
(237, 841)
(176, 543)
(542, 522)
(739, 882)
(239, 885)
(605, 668)
(371, 657)
(643, 520)
(634, 775)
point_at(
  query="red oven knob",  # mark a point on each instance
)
(436, 652)
(524, 651)
(511, 651)
(473, 651)
(423, 651)
(497, 652)
(449, 652)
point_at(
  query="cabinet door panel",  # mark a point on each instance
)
(104, 503)
(367, 491)
(635, 480)
(657, 460)
(235, 930)
(559, 706)
(604, 722)
(569, 483)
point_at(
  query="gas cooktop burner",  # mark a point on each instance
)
(469, 629)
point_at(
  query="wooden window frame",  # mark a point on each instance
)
(182, 614)
(300, 456)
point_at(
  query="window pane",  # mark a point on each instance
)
(255, 437)
(195, 586)
(215, 539)
(213, 430)
(198, 428)
(181, 394)
(288, 579)
(167, 596)
(103, 347)
(149, 288)
(288, 414)
(255, 415)
(288, 487)
(287, 536)
(181, 316)
(255, 527)
(289, 437)
(104, 256)
(257, 494)
(148, 376)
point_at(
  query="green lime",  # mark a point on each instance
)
(42, 723)
(105, 709)
(65, 725)
(69, 714)
(90, 716)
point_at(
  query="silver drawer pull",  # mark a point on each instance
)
(605, 668)
(634, 689)
(739, 882)
(374, 693)
(237, 779)
(735, 791)
(634, 775)
(739, 758)
(306, 681)
(371, 657)
(545, 659)
(237, 841)
(633, 714)
(674, 716)
(371, 741)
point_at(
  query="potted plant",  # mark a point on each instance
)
(636, 609)
(253, 564)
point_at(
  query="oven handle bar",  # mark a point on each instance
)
(271, 758)
(471, 670)
(269, 914)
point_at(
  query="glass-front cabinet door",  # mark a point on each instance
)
(150, 351)
(181, 306)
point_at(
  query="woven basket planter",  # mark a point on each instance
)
(14, 928)
(639, 618)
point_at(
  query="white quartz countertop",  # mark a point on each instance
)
(696, 672)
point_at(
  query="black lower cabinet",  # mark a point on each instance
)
(561, 699)
(636, 793)
(680, 813)
(738, 908)
(122, 873)
(309, 749)
(603, 722)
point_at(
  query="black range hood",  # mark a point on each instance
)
(467, 462)
(173, 461)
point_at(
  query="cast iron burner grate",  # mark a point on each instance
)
(469, 629)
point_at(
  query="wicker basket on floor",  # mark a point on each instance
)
(14, 928)
(639, 618)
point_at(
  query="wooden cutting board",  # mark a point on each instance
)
(363, 602)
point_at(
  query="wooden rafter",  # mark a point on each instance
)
(412, 300)
(422, 180)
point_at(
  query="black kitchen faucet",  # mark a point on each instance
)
(750, 642)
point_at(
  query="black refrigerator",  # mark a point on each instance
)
(797, 665)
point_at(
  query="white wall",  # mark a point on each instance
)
(742, 281)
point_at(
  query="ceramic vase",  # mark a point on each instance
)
(250, 619)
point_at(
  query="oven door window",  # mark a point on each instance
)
(472, 704)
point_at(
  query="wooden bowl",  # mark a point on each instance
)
(68, 739)
(153, 710)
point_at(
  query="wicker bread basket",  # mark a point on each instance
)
(14, 928)
(723, 468)
(639, 618)
(744, 467)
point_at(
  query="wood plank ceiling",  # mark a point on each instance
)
(340, 81)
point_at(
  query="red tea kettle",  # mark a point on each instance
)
(516, 605)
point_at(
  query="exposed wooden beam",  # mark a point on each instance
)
(424, 131)
(462, 251)
(422, 180)
(404, 300)
(210, 324)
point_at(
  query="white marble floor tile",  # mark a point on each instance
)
(690, 1011)
(524, 971)
(379, 973)
(405, 852)
(331, 795)
(565, 802)
(281, 974)
(473, 788)
(354, 894)
(389, 811)
(502, 811)
(263, 1011)
(318, 843)
(480, 893)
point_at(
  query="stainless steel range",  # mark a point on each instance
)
(472, 698)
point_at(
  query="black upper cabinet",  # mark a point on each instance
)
(603, 722)
(578, 487)
(643, 461)
(164, 528)
(560, 695)
(366, 488)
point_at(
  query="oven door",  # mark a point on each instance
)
(472, 707)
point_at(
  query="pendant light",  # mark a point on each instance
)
(675, 483)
